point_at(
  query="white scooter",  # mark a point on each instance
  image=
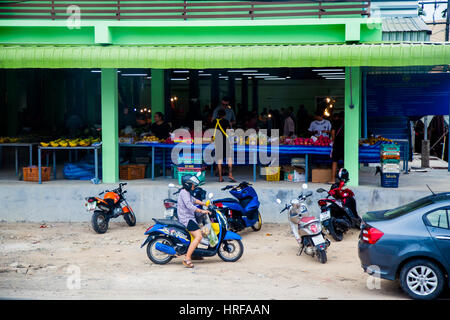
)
(307, 229)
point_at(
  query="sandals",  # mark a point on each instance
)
(232, 179)
(188, 263)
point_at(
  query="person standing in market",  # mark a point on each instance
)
(160, 128)
(320, 126)
(222, 144)
(229, 113)
(337, 152)
(289, 126)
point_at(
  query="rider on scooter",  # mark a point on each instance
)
(186, 214)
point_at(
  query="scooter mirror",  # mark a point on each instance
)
(309, 193)
(305, 186)
(320, 190)
(210, 195)
(278, 201)
(171, 185)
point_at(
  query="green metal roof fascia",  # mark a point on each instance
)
(199, 57)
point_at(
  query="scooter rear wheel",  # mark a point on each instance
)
(336, 234)
(157, 256)
(322, 256)
(100, 222)
(230, 250)
(258, 224)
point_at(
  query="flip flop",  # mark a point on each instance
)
(221, 180)
(188, 263)
(231, 179)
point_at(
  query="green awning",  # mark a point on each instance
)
(196, 57)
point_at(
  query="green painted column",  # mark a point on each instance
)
(352, 122)
(158, 93)
(110, 126)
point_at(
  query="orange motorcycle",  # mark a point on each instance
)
(111, 206)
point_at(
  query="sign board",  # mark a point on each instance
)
(408, 94)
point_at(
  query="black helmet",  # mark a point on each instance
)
(342, 174)
(188, 181)
(199, 194)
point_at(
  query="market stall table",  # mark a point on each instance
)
(367, 154)
(40, 148)
(17, 146)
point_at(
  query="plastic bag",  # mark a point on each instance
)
(212, 237)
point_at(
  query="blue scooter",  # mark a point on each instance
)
(169, 238)
(243, 210)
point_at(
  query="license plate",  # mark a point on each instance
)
(318, 239)
(325, 216)
(91, 206)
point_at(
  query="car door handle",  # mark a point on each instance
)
(443, 237)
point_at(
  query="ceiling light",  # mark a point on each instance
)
(134, 74)
(242, 70)
(326, 70)
(181, 71)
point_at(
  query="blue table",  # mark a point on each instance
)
(95, 148)
(16, 146)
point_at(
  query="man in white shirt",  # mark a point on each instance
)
(320, 126)
(229, 113)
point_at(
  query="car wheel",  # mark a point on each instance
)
(422, 279)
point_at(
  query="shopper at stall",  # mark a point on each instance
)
(222, 144)
(337, 136)
(229, 113)
(186, 214)
(320, 126)
(160, 128)
(289, 126)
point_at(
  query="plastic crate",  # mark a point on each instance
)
(271, 173)
(389, 147)
(32, 173)
(390, 180)
(132, 171)
(390, 161)
(189, 159)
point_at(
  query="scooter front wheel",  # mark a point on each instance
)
(231, 250)
(258, 224)
(100, 221)
(130, 218)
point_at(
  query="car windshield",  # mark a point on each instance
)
(407, 208)
(400, 211)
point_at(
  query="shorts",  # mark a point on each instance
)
(192, 226)
(337, 154)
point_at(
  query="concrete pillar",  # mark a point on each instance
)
(110, 126)
(158, 92)
(352, 122)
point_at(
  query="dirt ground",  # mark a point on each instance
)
(41, 262)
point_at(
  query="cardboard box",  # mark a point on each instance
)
(320, 175)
